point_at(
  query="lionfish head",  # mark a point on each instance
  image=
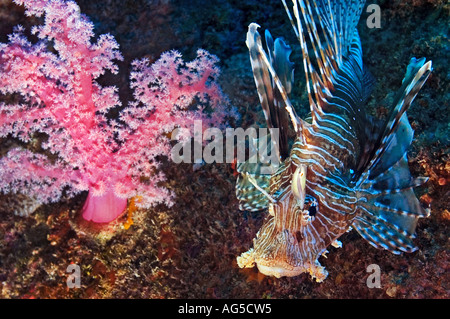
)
(277, 250)
(285, 245)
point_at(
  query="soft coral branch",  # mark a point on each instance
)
(40, 180)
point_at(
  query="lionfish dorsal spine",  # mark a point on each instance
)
(329, 47)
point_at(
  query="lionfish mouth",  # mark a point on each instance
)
(277, 250)
(280, 270)
(280, 267)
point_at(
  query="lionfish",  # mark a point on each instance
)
(345, 169)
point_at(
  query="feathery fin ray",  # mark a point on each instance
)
(389, 207)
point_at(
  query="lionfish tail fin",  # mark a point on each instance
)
(389, 208)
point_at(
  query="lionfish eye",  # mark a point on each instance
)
(312, 210)
(311, 205)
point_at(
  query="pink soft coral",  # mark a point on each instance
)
(112, 159)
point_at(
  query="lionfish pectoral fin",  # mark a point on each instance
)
(252, 185)
(397, 134)
(279, 53)
(388, 207)
(273, 74)
(252, 191)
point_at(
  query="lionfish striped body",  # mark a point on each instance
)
(344, 169)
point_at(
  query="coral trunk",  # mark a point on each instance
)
(103, 209)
